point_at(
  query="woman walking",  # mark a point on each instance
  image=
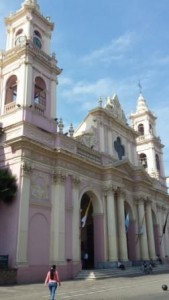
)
(52, 279)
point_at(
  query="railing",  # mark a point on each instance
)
(85, 152)
(9, 107)
(38, 109)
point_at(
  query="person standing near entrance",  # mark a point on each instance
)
(52, 279)
(85, 260)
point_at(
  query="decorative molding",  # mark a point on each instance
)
(58, 177)
(26, 168)
(75, 181)
(40, 187)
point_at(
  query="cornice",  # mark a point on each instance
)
(10, 56)
(23, 12)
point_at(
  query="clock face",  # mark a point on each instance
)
(20, 40)
(37, 42)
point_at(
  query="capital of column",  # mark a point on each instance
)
(109, 189)
(75, 181)
(121, 191)
(58, 177)
(139, 199)
(148, 201)
(26, 168)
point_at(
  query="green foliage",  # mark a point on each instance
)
(8, 186)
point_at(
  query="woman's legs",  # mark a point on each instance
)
(52, 289)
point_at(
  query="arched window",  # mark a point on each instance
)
(20, 31)
(157, 162)
(141, 129)
(37, 39)
(143, 160)
(11, 89)
(40, 93)
(150, 128)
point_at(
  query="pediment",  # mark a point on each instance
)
(136, 173)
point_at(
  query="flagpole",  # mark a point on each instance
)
(164, 227)
(83, 220)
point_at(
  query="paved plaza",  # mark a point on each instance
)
(140, 287)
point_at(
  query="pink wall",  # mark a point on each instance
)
(156, 239)
(8, 230)
(132, 240)
(39, 236)
(99, 254)
(68, 220)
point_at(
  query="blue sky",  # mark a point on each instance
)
(106, 47)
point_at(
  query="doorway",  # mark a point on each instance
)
(87, 233)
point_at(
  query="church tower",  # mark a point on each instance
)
(28, 81)
(28, 70)
(149, 146)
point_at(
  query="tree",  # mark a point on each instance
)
(8, 186)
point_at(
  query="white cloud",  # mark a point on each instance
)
(113, 51)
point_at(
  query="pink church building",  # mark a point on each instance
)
(106, 173)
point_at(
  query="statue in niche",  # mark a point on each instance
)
(119, 148)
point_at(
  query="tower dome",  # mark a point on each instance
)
(141, 104)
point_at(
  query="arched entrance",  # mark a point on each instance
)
(130, 227)
(87, 232)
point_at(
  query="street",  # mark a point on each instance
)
(140, 287)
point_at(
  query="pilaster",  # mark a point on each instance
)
(121, 226)
(24, 194)
(75, 219)
(142, 232)
(111, 224)
(57, 247)
(150, 231)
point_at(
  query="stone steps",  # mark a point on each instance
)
(114, 272)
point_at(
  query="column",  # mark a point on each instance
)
(111, 226)
(121, 226)
(142, 233)
(150, 231)
(110, 142)
(21, 255)
(99, 241)
(101, 137)
(53, 98)
(132, 255)
(57, 240)
(164, 239)
(76, 220)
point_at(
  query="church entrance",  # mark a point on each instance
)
(87, 233)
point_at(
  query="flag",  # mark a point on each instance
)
(127, 222)
(83, 220)
(165, 224)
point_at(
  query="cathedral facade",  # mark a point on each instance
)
(99, 189)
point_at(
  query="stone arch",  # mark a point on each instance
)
(39, 240)
(143, 160)
(141, 128)
(95, 198)
(11, 89)
(156, 233)
(39, 97)
(37, 39)
(130, 226)
(92, 231)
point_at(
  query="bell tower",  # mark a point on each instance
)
(28, 70)
(149, 146)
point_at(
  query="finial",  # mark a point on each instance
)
(60, 125)
(71, 130)
(100, 101)
(140, 87)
